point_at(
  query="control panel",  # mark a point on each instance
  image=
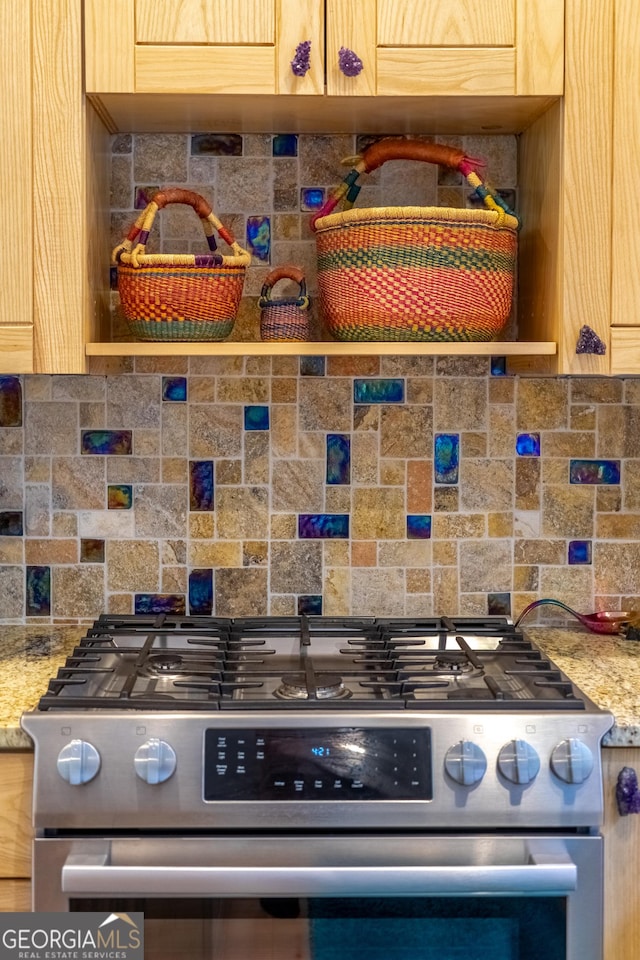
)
(348, 763)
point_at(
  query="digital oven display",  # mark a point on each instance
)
(347, 763)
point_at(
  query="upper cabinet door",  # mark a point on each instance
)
(202, 46)
(448, 47)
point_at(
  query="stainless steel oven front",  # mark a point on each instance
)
(338, 896)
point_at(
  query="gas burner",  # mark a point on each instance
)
(163, 664)
(328, 686)
(457, 666)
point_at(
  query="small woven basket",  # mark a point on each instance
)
(179, 296)
(415, 273)
(286, 318)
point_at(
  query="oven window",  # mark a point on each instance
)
(389, 928)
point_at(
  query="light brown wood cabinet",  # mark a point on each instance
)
(622, 849)
(408, 48)
(16, 784)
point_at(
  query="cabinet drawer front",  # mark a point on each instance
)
(15, 814)
(192, 21)
(446, 72)
(15, 896)
(205, 69)
(460, 23)
(16, 348)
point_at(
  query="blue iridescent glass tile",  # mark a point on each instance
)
(311, 198)
(594, 471)
(256, 418)
(418, 526)
(498, 366)
(446, 457)
(159, 603)
(327, 526)
(11, 523)
(378, 391)
(113, 442)
(216, 145)
(579, 551)
(285, 145)
(201, 592)
(174, 388)
(338, 458)
(38, 592)
(528, 444)
(91, 551)
(119, 496)
(499, 604)
(200, 485)
(10, 402)
(312, 366)
(310, 606)
(259, 237)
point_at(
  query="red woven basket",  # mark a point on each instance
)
(415, 273)
(179, 296)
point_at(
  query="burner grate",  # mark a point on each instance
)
(276, 663)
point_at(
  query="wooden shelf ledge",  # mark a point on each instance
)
(331, 349)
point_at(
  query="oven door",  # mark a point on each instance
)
(338, 897)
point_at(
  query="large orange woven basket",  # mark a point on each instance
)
(415, 273)
(179, 296)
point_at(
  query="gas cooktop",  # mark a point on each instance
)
(312, 663)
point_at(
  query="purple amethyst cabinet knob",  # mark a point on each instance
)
(627, 792)
(301, 62)
(349, 62)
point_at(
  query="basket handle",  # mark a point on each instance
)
(140, 230)
(287, 271)
(397, 148)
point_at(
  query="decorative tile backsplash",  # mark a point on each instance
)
(388, 486)
(285, 485)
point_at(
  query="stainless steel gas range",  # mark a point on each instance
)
(327, 778)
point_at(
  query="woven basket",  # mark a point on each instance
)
(179, 296)
(415, 273)
(284, 318)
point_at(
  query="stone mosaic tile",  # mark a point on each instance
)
(216, 144)
(160, 158)
(364, 459)
(256, 417)
(10, 402)
(92, 550)
(242, 513)
(377, 592)
(386, 390)
(119, 496)
(542, 404)
(528, 444)
(499, 604)
(418, 526)
(406, 432)
(256, 458)
(51, 428)
(285, 145)
(11, 552)
(214, 431)
(201, 592)
(404, 554)
(174, 389)
(11, 523)
(579, 551)
(160, 603)
(378, 514)
(201, 494)
(446, 456)
(594, 471)
(338, 458)
(445, 499)
(567, 511)
(11, 482)
(321, 525)
(459, 404)
(486, 484)
(38, 591)
(78, 483)
(241, 592)
(392, 472)
(297, 486)
(160, 511)
(485, 565)
(111, 442)
(312, 366)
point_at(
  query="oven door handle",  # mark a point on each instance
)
(550, 871)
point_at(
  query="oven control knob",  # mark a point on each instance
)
(465, 763)
(155, 761)
(518, 762)
(572, 761)
(78, 762)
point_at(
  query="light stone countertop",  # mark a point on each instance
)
(606, 669)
